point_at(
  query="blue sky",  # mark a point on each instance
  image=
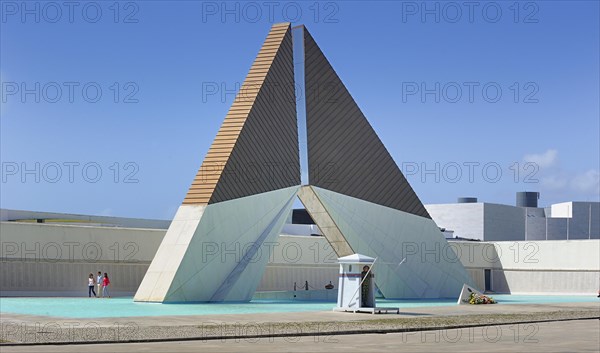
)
(151, 126)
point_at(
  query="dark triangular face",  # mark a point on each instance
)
(345, 154)
(256, 148)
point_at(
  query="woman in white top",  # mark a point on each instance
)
(91, 284)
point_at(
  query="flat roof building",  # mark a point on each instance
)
(496, 222)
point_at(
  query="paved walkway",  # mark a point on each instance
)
(567, 336)
(43, 329)
(312, 316)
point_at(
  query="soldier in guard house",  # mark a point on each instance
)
(365, 288)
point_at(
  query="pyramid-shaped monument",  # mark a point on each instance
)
(244, 190)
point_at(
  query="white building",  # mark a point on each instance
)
(496, 222)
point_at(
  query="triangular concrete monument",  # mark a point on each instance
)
(245, 188)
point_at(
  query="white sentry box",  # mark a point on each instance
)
(350, 295)
(349, 292)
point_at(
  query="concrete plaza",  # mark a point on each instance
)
(564, 336)
(503, 327)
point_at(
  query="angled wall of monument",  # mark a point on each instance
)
(241, 195)
(359, 197)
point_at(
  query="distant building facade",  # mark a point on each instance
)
(495, 222)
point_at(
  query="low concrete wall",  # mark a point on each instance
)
(44, 259)
(553, 266)
(55, 260)
(30, 278)
(299, 295)
(59, 243)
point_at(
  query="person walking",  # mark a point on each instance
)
(105, 284)
(99, 283)
(91, 285)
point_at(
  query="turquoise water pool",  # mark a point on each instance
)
(126, 307)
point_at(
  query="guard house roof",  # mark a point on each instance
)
(356, 259)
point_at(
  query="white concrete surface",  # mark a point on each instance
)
(168, 258)
(534, 267)
(465, 219)
(215, 252)
(390, 236)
